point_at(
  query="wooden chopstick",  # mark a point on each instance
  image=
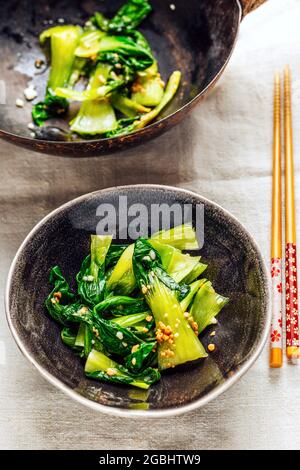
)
(291, 297)
(276, 240)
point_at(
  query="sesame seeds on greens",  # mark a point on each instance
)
(130, 339)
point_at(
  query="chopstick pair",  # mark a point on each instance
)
(291, 292)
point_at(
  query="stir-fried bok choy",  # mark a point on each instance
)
(108, 68)
(134, 311)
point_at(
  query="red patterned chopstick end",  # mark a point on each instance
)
(291, 299)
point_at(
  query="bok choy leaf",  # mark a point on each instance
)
(99, 366)
(91, 277)
(206, 305)
(177, 342)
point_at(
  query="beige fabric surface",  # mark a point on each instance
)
(223, 151)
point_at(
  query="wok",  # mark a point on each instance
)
(197, 37)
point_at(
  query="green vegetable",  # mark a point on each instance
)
(181, 265)
(51, 107)
(99, 366)
(131, 87)
(182, 237)
(122, 280)
(68, 337)
(149, 87)
(100, 21)
(151, 259)
(206, 305)
(61, 303)
(63, 42)
(79, 340)
(142, 357)
(128, 321)
(134, 303)
(89, 44)
(184, 345)
(185, 303)
(127, 106)
(95, 117)
(113, 254)
(195, 273)
(91, 94)
(91, 277)
(83, 339)
(80, 69)
(116, 339)
(169, 93)
(120, 305)
(124, 50)
(129, 16)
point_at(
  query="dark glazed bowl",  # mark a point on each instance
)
(236, 268)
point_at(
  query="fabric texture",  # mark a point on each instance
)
(223, 150)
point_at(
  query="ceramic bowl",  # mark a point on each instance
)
(235, 266)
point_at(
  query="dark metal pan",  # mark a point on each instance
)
(197, 37)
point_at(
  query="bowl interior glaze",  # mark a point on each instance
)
(235, 267)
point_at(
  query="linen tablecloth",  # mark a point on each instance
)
(223, 151)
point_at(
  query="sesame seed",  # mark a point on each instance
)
(186, 314)
(30, 93)
(61, 20)
(101, 78)
(213, 333)
(211, 347)
(166, 315)
(176, 335)
(19, 103)
(111, 372)
(152, 255)
(125, 345)
(172, 7)
(38, 63)
(31, 126)
(133, 361)
(83, 310)
(149, 317)
(119, 335)
(144, 290)
(134, 348)
(32, 135)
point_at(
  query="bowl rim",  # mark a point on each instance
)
(156, 124)
(122, 412)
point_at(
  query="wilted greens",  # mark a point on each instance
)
(134, 311)
(109, 68)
